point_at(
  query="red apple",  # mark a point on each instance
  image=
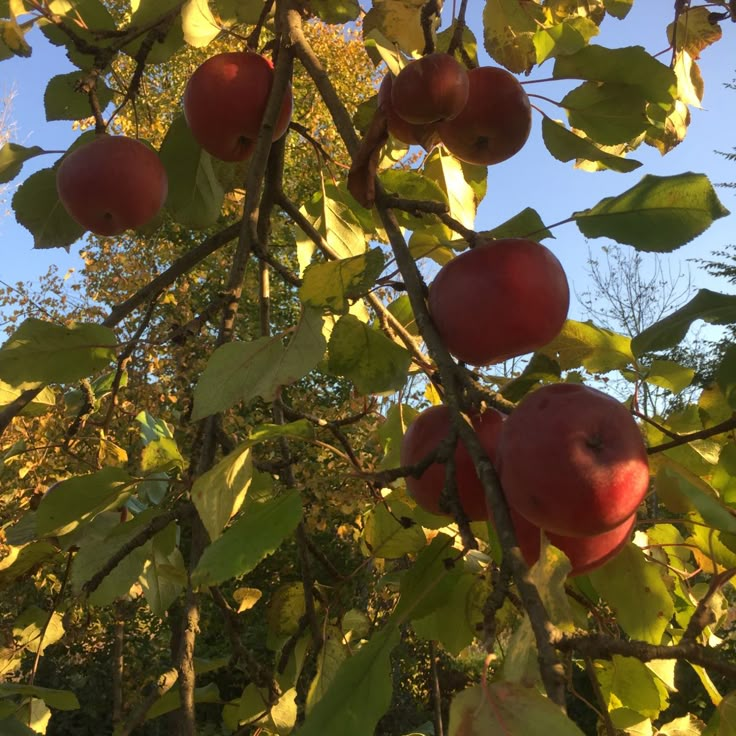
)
(572, 460)
(424, 435)
(409, 133)
(495, 122)
(430, 89)
(585, 553)
(112, 184)
(224, 103)
(501, 299)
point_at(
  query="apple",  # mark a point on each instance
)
(430, 89)
(224, 103)
(423, 436)
(572, 460)
(413, 135)
(585, 553)
(495, 122)
(500, 299)
(111, 184)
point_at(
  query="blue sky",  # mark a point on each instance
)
(531, 179)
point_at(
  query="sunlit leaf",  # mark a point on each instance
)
(219, 493)
(633, 587)
(508, 709)
(584, 344)
(385, 536)
(694, 30)
(565, 145)
(399, 21)
(12, 158)
(567, 37)
(372, 361)
(508, 32)
(660, 213)
(360, 692)
(198, 23)
(329, 285)
(81, 498)
(240, 371)
(257, 534)
(629, 66)
(58, 699)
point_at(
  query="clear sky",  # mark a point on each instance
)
(531, 179)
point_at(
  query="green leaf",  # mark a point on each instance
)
(301, 429)
(697, 494)
(329, 285)
(630, 66)
(688, 725)
(219, 493)
(628, 683)
(508, 32)
(198, 23)
(39, 405)
(468, 42)
(360, 692)
(153, 429)
(331, 656)
(12, 158)
(335, 11)
(78, 500)
(259, 533)
(714, 308)
(64, 100)
(100, 541)
(565, 145)
(618, 8)
(633, 587)
(10, 726)
(171, 699)
(20, 560)
(38, 208)
(59, 699)
(660, 213)
(525, 224)
(508, 709)
(385, 536)
(427, 583)
(390, 432)
(240, 371)
(670, 375)
(164, 573)
(608, 113)
(12, 40)
(146, 14)
(399, 21)
(449, 173)
(373, 362)
(566, 37)
(88, 18)
(49, 353)
(32, 623)
(594, 348)
(413, 185)
(453, 623)
(161, 455)
(195, 194)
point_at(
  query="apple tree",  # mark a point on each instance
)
(215, 455)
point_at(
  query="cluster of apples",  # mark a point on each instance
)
(482, 115)
(571, 461)
(115, 183)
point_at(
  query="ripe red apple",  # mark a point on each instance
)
(424, 435)
(224, 103)
(585, 553)
(501, 299)
(430, 89)
(572, 460)
(495, 122)
(413, 135)
(112, 184)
